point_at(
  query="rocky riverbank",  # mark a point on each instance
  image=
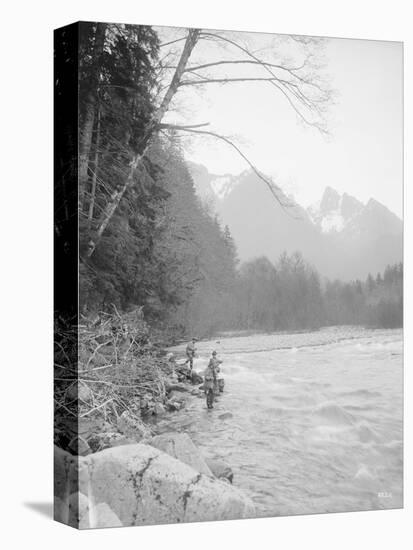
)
(112, 376)
(165, 480)
(112, 467)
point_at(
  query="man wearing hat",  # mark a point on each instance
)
(190, 353)
(211, 382)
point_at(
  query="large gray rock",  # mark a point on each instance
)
(178, 396)
(220, 469)
(83, 427)
(196, 378)
(66, 467)
(174, 405)
(140, 485)
(180, 446)
(103, 516)
(177, 387)
(83, 514)
(132, 427)
(105, 440)
(159, 409)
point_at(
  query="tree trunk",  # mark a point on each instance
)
(150, 131)
(87, 130)
(94, 177)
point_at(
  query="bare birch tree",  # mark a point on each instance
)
(301, 85)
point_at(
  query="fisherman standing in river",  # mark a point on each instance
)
(190, 353)
(211, 379)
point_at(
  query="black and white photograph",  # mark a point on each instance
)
(229, 209)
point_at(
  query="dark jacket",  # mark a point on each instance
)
(211, 373)
(190, 349)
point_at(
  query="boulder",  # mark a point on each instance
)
(61, 511)
(141, 485)
(196, 378)
(103, 516)
(85, 427)
(177, 396)
(174, 405)
(225, 416)
(220, 469)
(82, 514)
(180, 446)
(183, 373)
(66, 482)
(79, 510)
(159, 409)
(132, 427)
(170, 382)
(177, 387)
(78, 445)
(81, 427)
(105, 440)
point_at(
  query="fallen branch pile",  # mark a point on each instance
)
(103, 368)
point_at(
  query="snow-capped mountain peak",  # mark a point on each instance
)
(340, 236)
(333, 221)
(330, 201)
(334, 211)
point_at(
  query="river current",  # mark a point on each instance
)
(309, 422)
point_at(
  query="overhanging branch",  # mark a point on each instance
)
(277, 82)
(182, 127)
(275, 190)
(245, 61)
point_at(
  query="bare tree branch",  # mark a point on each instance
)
(183, 127)
(301, 87)
(275, 190)
(173, 42)
(244, 61)
(281, 85)
(206, 80)
(275, 81)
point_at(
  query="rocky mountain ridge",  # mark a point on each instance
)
(342, 237)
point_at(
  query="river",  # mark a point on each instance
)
(309, 422)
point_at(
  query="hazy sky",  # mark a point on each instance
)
(363, 155)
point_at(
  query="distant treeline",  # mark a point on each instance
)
(151, 243)
(290, 295)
